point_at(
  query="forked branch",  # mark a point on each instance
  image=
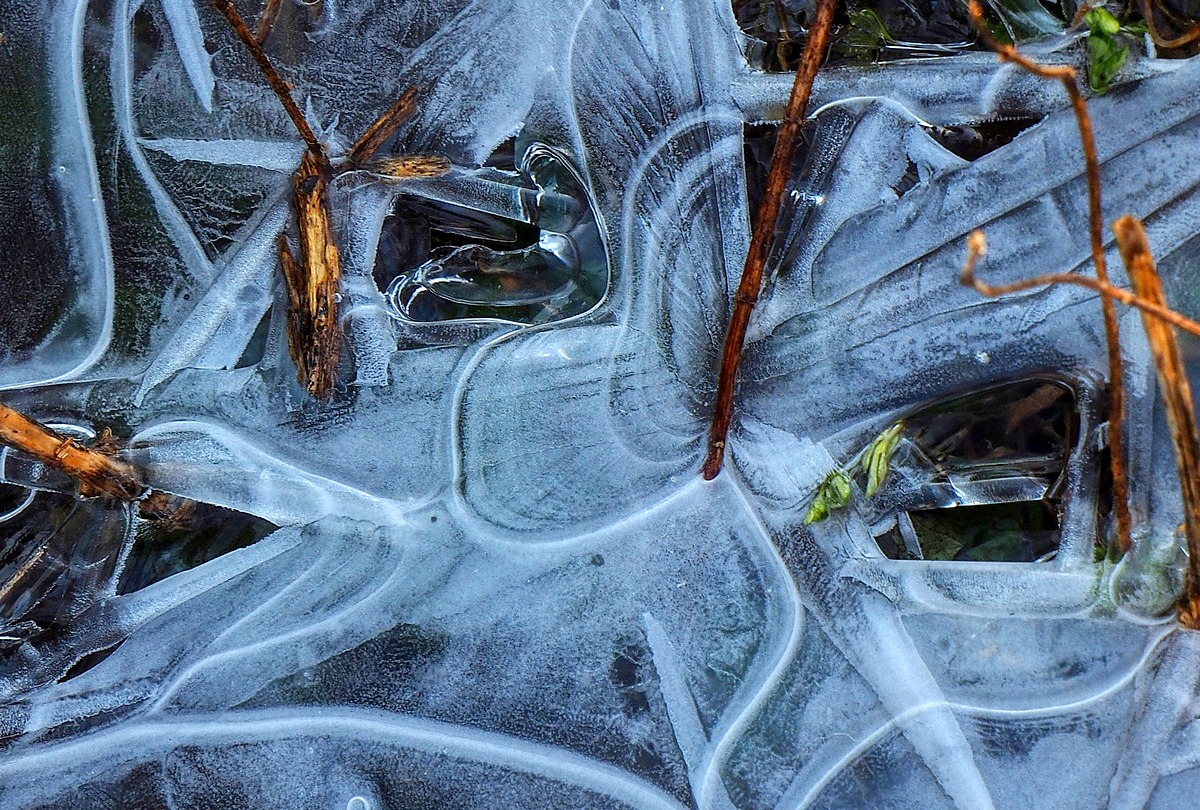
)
(1116, 388)
(763, 235)
(312, 278)
(977, 249)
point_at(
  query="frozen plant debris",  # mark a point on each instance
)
(488, 571)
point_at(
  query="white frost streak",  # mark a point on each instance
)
(442, 739)
(189, 42)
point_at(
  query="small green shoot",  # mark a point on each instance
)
(866, 36)
(832, 493)
(1106, 52)
(877, 455)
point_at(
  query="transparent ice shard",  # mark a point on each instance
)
(565, 273)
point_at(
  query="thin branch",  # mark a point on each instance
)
(266, 23)
(383, 128)
(1161, 40)
(977, 249)
(98, 474)
(763, 235)
(1177, 401)
(278, 85)
(1116, 387)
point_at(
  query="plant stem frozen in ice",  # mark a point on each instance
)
(1177, 401)
(313, 277)
(1116, 388)
(763, 235)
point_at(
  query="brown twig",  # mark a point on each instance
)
(99, 474)
(312, 278)
(1177, 401)
(314, 332)
(383, 128)
(977, 248)
(401, 167)
(278, 85)
(763, 235)
(266, 23)
(1161, 40)
(1116, 388)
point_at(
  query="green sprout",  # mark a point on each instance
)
(1106, 52)
(832, 493)
(864, 37)
(877, 455)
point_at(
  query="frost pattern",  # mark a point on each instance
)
(498, 579)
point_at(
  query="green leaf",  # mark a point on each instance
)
(1100, 21)
(832, 493)
(837, 489)
(878, 454)
(818, 511)
(1106, 54)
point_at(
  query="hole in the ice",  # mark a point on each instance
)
(626, 674)
(973, 141)
(56, 557)
(256, 348)
(89, 661)
(521, 246)
(163, 548)
(863, 32)
(1023, 531)
(980, 477)
(908, 181)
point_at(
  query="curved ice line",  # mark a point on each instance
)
(391, 512)
(727, 732)
(491, 535)
(136, 609)
(893, 723)
(234, 653)
(636, 176)
(429, 736)
(74, 124)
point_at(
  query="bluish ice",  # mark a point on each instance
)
(498, 579)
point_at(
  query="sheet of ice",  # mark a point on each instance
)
(498, 578)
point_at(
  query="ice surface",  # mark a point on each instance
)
(497, 578)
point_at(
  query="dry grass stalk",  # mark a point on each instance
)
(312, 278)
(977, 249)
(403, 167)
(1177, 401)
(383, 128)
(1116, 388)
(763, 235)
